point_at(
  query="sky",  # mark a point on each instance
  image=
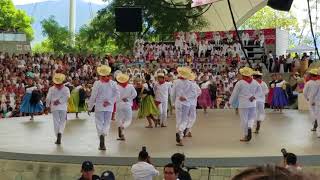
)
(23, 2)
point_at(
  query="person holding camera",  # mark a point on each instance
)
(143, 169)
(177, 160)
(290, 161)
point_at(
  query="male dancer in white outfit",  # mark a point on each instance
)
(309, 93)
(124, 104)
(182, 94)
(245, 92)
(316, 98)
(103, 95)
(193, 107)
(57, 99)
(261, 99)
(161, 90)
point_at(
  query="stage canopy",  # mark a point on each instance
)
(219, 17)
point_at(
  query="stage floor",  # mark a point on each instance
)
(215, 136)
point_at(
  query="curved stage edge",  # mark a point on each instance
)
(215, 142)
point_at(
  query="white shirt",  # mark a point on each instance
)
(54, 94)
(198, 91)
(143, 171)
(243, 91)
(161, 92)
(261, 97)
(102, 92)
(128, 92)
(310, 90)
(183, 88)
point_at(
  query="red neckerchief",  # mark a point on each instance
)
(58, 86)
(247, 79)
(105, 80)
(161, 82)
(314, 78)
(181, 78)
(123, 84)
(259, 81)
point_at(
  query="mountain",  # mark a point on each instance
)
(60, 10)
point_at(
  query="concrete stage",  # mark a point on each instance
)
(215, 142)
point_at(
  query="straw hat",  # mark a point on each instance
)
(58, 78)
(104, 70)
(246, 71)
(314, 71)
(122, 78)
(257, 73)
(192, 77)
(184, 72)
(160, 75)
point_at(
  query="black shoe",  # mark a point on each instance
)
(58, 142)
(258, 127)
(315, 126)
(102, 146)
(119, 132)
(178, 140)
(185, 132)
(249, 134)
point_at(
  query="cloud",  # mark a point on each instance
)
(23, 2)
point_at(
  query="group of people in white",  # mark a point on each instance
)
(183, 92)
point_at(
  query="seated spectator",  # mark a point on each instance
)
(170, 172)
(143, 169)
(107, 175)
(291, 162)
(178, 160)
(272, 173)
(87, 171)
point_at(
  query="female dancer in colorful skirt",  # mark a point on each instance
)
(279, 98)
(148, 107)
(31, 103)
(76, 102)
(204, 99)
(272, 85)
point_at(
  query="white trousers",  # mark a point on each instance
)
(181, 118)
(261, 114)
(59, 121)
(124, 116)
(247, 117)
(316, 116)
(163, 108)
(312, 112)
(201, 51)
(192, 116)
(103, 119)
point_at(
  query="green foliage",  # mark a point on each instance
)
(160, 20)
(42, 47)
(270, 18)
(14, 19)
(58, 37)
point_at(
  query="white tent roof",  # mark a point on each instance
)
(219, 16)
(301, 48)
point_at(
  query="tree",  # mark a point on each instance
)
(58, 37)
(160, 20)
(12, 19)
(270, 18)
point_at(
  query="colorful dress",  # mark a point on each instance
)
(28, 105)
(204, 99)
(76, 102)
(272, 84)
(147, 105)
(279, 98)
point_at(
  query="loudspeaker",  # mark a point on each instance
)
(282, 5)
(128, 19)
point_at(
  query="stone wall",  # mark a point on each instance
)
(27, 170)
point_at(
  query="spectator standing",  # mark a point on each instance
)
(87, 170)
(178, 160)
(143, 169)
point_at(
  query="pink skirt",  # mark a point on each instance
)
(205, 99)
